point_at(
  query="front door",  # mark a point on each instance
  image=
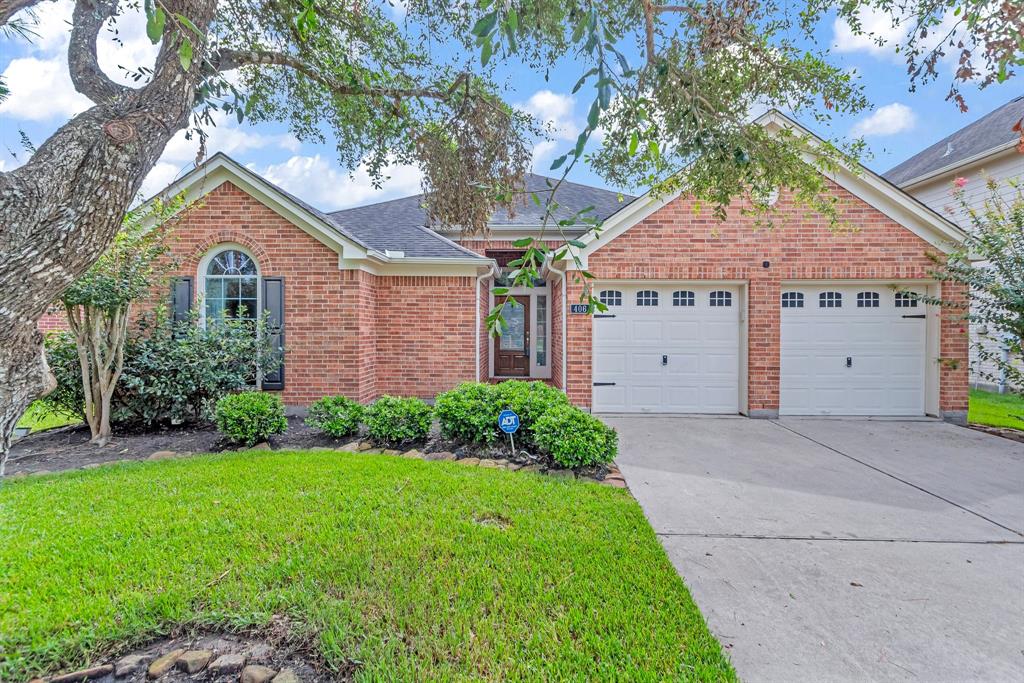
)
(512, 346)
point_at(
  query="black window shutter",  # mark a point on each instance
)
(181, 298)
(273, 306)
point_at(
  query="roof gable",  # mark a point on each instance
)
(860, 182)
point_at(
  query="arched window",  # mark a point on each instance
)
(792, 299)
(610, 297)
(830, 300)
(720, 298)
(906, 300)
(867, 300)
(684, 297)
(647, 297)
(231, 285)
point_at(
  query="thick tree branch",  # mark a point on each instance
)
(86, 74)
(8, 8)
(232, 59)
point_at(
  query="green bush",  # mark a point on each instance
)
(466, 413)
(469, 412)
(395, 421)
(337, 416)
(575, 438)
(69, 396)
(250, 417)
(173, 372)
(529, 400)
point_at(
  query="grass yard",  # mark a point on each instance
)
(416, 570)
(37, 419)
(996, 410)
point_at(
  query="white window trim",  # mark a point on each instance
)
(204, 264)
(533, 293)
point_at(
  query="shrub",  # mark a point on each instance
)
(394, 421)
(466, 413)
(575, 438)
(176, 372)
(529, 400)
(69, 397)
(469, 412)
(250, 417)
(335, 415)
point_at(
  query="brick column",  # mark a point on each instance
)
(954, 362)
(763, 349)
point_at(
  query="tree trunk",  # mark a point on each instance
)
(61, 209)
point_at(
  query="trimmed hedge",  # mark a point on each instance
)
(575, 438)
(250, 417)
(396, 421)
(337, 416)
(469, 412)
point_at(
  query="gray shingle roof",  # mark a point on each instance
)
(399, 224)
(990, 131)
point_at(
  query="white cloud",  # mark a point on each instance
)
(124, 47)
(554, 111)
(41, 89)
(875, 25)
(162, 175)
(888, 120)
(225, 136)
(320, 182)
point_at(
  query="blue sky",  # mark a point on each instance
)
(43, 98)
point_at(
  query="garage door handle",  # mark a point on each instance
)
(664, 360)
(604, 315)
(604, 384)
(922, 316)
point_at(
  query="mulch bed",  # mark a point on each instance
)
(68, 448)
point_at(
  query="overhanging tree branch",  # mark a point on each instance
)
(89, 79)
(233, 59)
(8, 8)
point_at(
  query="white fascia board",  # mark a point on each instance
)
(220, 169)
(420, 266)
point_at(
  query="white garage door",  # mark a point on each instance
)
(852, 350)
(667, 349)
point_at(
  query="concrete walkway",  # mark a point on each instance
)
(832, 549)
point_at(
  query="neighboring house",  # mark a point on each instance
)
(703, 316)
(987, 148)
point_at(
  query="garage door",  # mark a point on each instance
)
(852, 351)
(667, 349)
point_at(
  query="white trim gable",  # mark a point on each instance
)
(863, 183)
(220, 169)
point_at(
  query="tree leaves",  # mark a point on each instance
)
(155, 22)
(185, 53)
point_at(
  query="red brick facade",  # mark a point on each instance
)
(363, 335)
(674, 243)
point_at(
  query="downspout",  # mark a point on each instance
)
(479, 278)
(565, 328)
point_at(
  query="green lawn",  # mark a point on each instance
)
(418, 570)
(996, 410)
(37, 418)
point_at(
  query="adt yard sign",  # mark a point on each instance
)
(508, 422)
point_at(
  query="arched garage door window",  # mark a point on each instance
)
(231, 286)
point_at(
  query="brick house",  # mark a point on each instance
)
(703, 316)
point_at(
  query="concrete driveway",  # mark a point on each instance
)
(832, 549)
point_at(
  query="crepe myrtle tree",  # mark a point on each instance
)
(989, 265)
(671, 86)
(98, 305)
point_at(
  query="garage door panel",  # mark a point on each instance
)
(701, 343)
(886, 373)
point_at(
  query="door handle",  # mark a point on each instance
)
(664, 359)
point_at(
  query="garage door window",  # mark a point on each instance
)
(647, 297)
(906, 300)
(721, 298)
(830, 300)
(683, 298)
(792, 300)
(610, 297)
(867, 300)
